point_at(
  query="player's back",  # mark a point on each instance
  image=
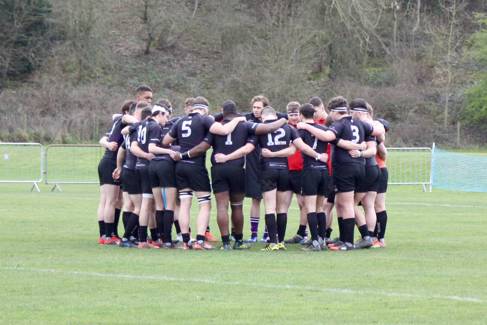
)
(352, 130)
(233, 141)
(275, 141)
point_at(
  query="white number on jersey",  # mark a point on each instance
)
(186, 127)
(280, 133)
(355, 134)
(142, 134)
(126, 138)
(315, 144)
(229, 140)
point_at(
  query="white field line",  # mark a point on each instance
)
(164, 278)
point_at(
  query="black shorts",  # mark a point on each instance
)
(347, 177)
(331, 195)
(144, 179)
(131, 181)
(105, 171)
(370, 182)
(275, 179)
(192, 176)
(253, 187)
(226, 177)
(162, 173)
(296, 181)
(315, 182)
(383, 180)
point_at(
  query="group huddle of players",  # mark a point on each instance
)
(155, 163)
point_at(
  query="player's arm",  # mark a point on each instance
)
(349, 145)
(264, 128)
(323, 135)
(283, 153)
(378, 129)
(110, 145)
(237, 154)
(120, 158)
(367, 153)
(126, 130)
(129, 119)
(153, 148)
(225, 129)
(135, 149)
(307, 150)
(382, 150)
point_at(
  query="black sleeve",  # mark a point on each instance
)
(218, 117)
(154, 134)
(282, 115)
(210, 138)
(208, 121)
(294, 134)
(116, 132)
(173, 132)
(251, 126)
(337, 128)
(252, 139)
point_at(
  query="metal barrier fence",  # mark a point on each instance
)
(21, 163)
(59, 164)
(410, 166)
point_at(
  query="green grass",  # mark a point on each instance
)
(433, 271)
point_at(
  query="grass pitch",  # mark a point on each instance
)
(434, 269)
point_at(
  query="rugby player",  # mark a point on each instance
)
(227, 170)
(253, 170)
(191, 174)
(295, 165)
(380, 200)
(109, 187)
(347, 170)
(162, 172)
(366, 190)
(140, 148)
(129, 177)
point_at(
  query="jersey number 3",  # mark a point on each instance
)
(355, 134)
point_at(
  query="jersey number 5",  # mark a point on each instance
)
(186, 127)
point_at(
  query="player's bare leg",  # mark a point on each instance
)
(282, 208)
(204, 203)
(236, 204)
(100, 213)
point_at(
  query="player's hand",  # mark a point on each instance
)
(301, 125)
(266, 153)
(363, 145)
(150, 156)
(112, 146)
(355, 153)
(116, 173)
(323, 157)
(175, 155)
(221, 158)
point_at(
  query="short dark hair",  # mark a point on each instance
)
(146, 112)
(360, 104)
(142, 105)
(338, 101)
(292, 107)
(127, 106)
(315, 101)
(229, 108)
(143, 88)
(307, 110)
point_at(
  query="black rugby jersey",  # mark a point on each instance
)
(157, 136)
(190, 131)
(316, 144)
(243, 133)
(144, 132)
(130, 159)
(115, 135)
(276, 141)
(352, 130)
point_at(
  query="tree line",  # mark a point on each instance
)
(65, 66)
